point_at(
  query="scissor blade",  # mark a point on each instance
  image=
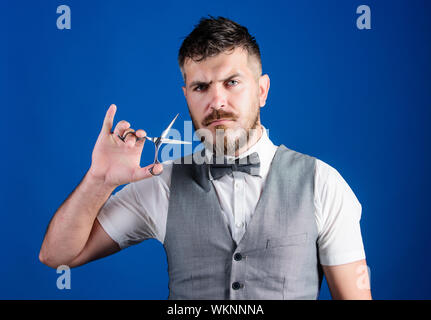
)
(165, 132)
(172, 141)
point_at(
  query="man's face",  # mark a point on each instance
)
(224, 93)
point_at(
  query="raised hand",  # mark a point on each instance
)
(117, 162)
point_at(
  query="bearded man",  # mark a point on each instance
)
(244, 219)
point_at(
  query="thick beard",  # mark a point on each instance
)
(233, 139)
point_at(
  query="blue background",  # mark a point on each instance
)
(356, 99)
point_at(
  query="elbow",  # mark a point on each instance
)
(54, 263)
(43, 257)
(47, 260)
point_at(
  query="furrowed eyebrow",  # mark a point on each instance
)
(231, 77)
(199, 83)
(203, 83)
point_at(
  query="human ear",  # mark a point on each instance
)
(263, 89)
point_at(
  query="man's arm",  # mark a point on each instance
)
(74, 236)
(99, 245)
(349, 281)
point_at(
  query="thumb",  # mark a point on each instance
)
(144, 173)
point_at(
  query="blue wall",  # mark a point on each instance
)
(359, 100)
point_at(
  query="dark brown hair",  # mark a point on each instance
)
(216, 35)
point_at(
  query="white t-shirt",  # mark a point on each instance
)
(139, 211)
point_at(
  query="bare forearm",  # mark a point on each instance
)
(71, 225)
(349, 281)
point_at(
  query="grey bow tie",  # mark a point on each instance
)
(249, 164)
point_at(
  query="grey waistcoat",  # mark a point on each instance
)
(276, 258)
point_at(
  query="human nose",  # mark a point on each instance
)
(217, 98)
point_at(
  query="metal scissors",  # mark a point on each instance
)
(158, 141)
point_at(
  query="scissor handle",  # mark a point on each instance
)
(156, 161)
(124, 137)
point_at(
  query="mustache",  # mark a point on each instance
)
(218, 114)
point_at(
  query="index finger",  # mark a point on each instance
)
(109, 119)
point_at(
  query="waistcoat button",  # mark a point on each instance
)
(237, 256)
(237, 285)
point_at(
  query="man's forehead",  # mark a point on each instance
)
(219, 66)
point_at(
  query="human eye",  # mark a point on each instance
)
(200, 87)
(232, 83)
